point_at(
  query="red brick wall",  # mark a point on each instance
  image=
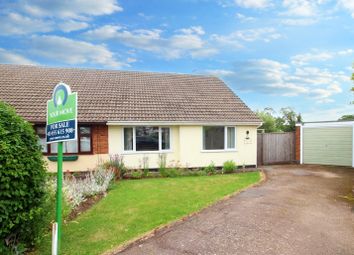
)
(100, 139)
(297, 144)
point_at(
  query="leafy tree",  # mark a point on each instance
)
(347, 117)
(283, 123)
(289, 118)
(22, 183)
(269, 121)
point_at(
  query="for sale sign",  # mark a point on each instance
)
(62, 115)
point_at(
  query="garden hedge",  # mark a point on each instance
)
(22, 182)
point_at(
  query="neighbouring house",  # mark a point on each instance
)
(325, 143)
(193, 119)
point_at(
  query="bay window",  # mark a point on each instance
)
(83, 144)
(219, 138)
(146, 138)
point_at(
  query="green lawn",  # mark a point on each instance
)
(134, 207)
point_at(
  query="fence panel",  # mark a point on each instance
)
(276, 148)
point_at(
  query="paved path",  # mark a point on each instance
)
(297, 211)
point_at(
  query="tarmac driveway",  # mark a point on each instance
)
(298, 210)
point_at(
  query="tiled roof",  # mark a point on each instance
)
(105, 95)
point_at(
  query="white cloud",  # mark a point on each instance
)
(185, 41)
(204, 52)
(323, 83)
(72, 25)
(256, 4)
(304, 59)
(219, 72)
(144, 16)
(8, 57)
(70, 51)
(192, 30)
(263, 34)
(305, 12)
(346, 52)
(16, 24)
(275, 78)
(110, 31)
(236, 38)
(318, 56)
(77, 9)
(226, 40)
(348, 5)
(38, 16)
(303, 8)
(244, 18)
(299, 21)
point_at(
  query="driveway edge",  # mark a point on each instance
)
(152, 232)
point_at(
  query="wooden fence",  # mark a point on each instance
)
(275, 148)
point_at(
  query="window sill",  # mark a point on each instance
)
(146, 152)
(68, 154)
(217, 151)
(65, 158)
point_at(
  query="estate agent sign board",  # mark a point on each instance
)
(62, 115)
(61, 127)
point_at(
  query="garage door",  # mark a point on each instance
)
(328, 145)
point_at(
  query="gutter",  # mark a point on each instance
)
(182, 123)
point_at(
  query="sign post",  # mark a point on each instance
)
(61, 127)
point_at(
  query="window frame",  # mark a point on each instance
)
(160, 150)
(79, 140)
(41, 136)
(49, 153)
(225, 140)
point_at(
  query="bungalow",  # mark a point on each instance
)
(192, 119)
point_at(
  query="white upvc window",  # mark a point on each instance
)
(146, 139)
(219, 138)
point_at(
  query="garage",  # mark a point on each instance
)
(327, 143)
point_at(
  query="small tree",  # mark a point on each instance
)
(22, 183)
(289, 118)
(269, 121)
(283, 123)
(347, 117)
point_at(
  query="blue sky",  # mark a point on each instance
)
(296, 53)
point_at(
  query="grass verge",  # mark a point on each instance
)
(134, 207)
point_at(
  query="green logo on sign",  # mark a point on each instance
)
(62, 106)
(60, 95)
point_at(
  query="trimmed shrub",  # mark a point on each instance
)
(138, 174)
(229, 166)
(172, 172)
(210, 169)
(22, 183)
(201, 173)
